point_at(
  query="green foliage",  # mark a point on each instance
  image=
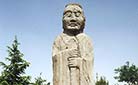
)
(102, 81)
(127, 74)
(13, 72)
(40, 81)
(4, 83)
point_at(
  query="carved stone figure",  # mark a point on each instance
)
(72, 50)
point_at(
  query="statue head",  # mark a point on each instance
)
(73, 19)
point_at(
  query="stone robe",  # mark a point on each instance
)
(82, 75)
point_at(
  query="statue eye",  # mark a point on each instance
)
(77, 14)
(68, 14)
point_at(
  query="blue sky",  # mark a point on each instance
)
(112, 25)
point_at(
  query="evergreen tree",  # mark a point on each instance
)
(40, 81)
(102, 81)
(13, 73)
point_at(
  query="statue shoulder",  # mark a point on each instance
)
(58, 38)
(61, 37)
(84, 36)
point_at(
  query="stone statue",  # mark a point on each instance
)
(72, 50)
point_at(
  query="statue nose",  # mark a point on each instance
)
(73, 18)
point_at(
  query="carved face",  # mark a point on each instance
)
(73, 18)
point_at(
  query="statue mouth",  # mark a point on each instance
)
(72, 24)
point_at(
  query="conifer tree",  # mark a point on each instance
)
(40, 81)
(102, 81)
(13, 73)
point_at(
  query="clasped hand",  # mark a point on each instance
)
(74, 58)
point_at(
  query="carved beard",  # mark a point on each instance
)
(73, 27)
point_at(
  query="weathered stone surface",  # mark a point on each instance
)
(72, 51)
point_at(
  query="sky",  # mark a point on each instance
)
(111, 24)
